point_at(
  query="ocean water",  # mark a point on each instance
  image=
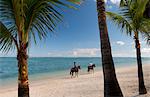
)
(54, 66)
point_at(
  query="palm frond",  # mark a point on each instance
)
(120, 21)
(76, 1)
(131, 17)
(145, 25)
(146, 36)
(147, 10)
(7, 13)
(145, 29)
(123, 3)
(140, 7)
(7, 39)
(42, 16)
(34, 18)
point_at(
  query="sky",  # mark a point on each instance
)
(78, 36)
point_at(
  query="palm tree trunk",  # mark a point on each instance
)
(142, 89)
(111, 86)
(23, 85)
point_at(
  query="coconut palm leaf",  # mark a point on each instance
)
(145, 30)
(147, 11)
(120, 21)
(44, 16)
(147, 37)
(123, 3)
(27, 19)
(7, 39)
(76, 1)
(131, 16)
(139, 8)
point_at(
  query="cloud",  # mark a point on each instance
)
(78, 52)
(59, 53)
(123, 53)
(120, 43)
(104, 0)
(145, 50)
(86, 52)
(115, 2)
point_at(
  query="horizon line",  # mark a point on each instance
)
(70, 57)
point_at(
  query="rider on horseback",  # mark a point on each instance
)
(91, 67)
(75, 70)
(74, 64)
(90, 64)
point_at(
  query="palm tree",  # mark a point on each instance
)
(131, 19)
(21, 21)
(111, 86)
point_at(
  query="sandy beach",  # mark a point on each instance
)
(86, 85)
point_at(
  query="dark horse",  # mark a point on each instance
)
(74, 70)
(91, 67)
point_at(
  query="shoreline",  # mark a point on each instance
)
(91, 84)
(52, 75)
(45, 76)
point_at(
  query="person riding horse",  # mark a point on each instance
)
(75, 70)
(91, 67)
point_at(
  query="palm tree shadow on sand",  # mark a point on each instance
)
(137, 95)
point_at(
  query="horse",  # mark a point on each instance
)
(74, 70)
(91, 67)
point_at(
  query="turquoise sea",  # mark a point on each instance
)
(54, 66)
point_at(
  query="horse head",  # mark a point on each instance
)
(79, 67)
(94, 65)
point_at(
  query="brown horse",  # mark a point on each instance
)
(74, 70)
(91, 67)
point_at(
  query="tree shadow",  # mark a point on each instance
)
(139, 95)
(136, 95)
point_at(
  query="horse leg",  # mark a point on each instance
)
(75, 74)
(93, 71)
(88, 70)
(71, 74)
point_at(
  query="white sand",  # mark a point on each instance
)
(87, 85)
